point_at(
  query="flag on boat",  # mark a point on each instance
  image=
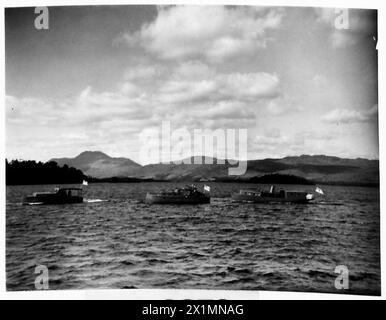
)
(207, 188)
(85, 183)
(318, 190)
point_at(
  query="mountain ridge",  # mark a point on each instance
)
(99, 164)
(317, 168)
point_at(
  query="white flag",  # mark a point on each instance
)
(318, 190)
(85, 183)
(207, 188)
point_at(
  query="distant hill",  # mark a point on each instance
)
(100, 165)
(333, 170)
(316, 168)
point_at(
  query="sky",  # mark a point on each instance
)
(100, 76)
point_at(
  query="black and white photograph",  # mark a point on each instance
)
(211, 147)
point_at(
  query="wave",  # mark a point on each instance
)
(122, 243)
(318, 273)
(14, 203)
(94, 200)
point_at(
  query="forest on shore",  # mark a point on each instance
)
(32, 172)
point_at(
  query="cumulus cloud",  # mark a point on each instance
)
(319, 80)
(281, 105)
(180, 81)
(190, 94)
(32, 111)
(341, 39)
(200, 92)
(348, 116)
(212, 32)
(274, 138)
(220, 87)
(143, 72)
(88, 108)
(232, 110)
(273, 142)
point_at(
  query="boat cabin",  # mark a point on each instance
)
(69, 192)
(59, 196)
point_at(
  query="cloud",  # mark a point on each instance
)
(143, 72)
(32, 111)
(281, 105)
(88, 109)
(341, 39)
(215, 33)
(233, 110)
(274, 138)
(190, 94)
(273, 142)
(219, 87)
(347, 116)
(320, 81)
(180, 81)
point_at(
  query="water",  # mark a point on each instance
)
(125, 243)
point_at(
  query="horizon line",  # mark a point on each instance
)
(181, 160)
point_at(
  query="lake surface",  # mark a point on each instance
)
(125, 243)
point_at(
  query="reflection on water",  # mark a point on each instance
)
(124, 243)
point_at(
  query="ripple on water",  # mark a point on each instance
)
(125, 243)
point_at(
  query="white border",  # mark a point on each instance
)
(144, 294)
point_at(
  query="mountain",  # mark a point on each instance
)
(316, 168)
(333, 170)
(100, 165)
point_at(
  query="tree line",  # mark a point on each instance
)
(32, 172)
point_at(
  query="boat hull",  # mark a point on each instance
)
(154, 198)
(237, 197)
(51, 199)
